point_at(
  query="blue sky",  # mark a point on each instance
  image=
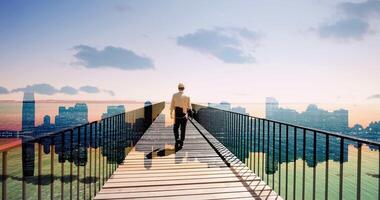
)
(239, 51)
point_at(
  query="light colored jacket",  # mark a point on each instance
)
(180, 100)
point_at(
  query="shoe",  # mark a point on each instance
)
(177, 147)
(177, 144)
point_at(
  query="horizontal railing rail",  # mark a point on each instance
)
(80, 158)
(298, 162)
(49, 134)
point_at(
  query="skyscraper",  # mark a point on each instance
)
(71, 116)
(28, 111)
(28, 121)
(113, 110)
(271, 107)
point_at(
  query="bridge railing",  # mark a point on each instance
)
(298, 162)
(74, 162)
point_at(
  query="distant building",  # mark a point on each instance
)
(28, 112)
(113, 110)
(357, 128)
(239, 109)
(9, 134)
(313, 116)
(271, 105)
(374, 127)
(371, 132)
(223, 105)
(227, 106)
(46, 120)
(71, 116)
(28, 127)
(46, 127)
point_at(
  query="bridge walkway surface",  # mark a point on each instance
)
(202, 169)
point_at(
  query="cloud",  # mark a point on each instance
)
(41, 88)
(69, 90)
(365, 9)
(353, 21)
(345, 29)
(3, 90)
(110, 92)
(227, 44)
(375, 96)
(114, 57)
(47, 89)
(89, 89)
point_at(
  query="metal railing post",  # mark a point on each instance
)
(5, 175)
(52, 168)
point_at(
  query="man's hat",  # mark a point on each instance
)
(181, 86)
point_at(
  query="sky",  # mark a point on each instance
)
(314, 51)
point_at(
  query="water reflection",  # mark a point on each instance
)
(273, 150)
(112, 135)
(276, 141)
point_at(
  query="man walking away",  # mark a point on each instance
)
(181, 106)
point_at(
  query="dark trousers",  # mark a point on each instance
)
(179, 122)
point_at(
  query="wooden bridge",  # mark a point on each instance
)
(202, 169)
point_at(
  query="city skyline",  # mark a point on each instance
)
(290, 113)
(313, 116)
(11, 111)
(67, 115)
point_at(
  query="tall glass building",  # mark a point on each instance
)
(28, 122)
(28, 111)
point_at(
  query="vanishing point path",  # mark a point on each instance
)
(203, 169)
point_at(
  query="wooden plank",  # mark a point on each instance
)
(236, 191)
(172, 187)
